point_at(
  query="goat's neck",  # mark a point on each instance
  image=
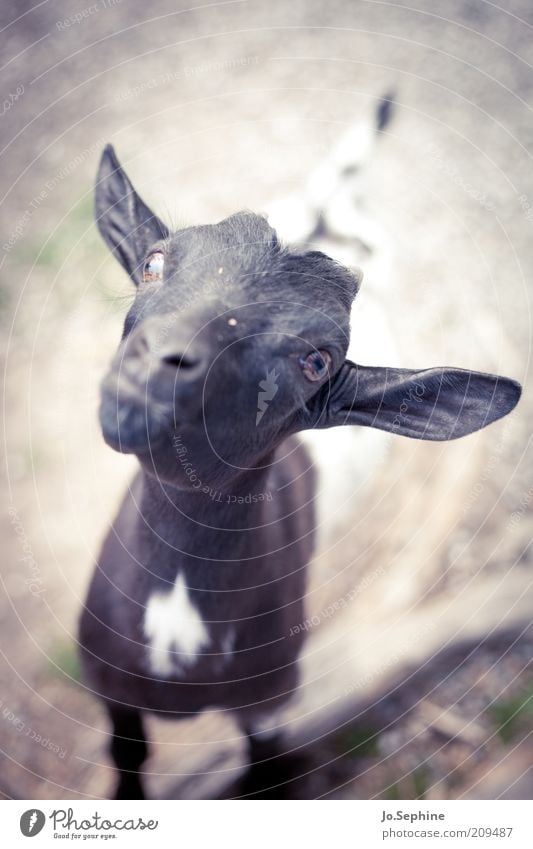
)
(216, 525)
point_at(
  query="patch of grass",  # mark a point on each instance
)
(77, 226)
(48, 252)
(64, 662)
(414, 786)
(511, 715)
(392, 792)
(421, 783)
(358, 741)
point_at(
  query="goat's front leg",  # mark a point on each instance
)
(129, 751)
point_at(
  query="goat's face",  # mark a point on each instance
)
(234, 342)
(228, 337)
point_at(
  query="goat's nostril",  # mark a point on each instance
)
(180, 361)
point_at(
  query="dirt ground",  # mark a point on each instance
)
(226, 106)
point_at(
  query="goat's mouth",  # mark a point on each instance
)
(132, 422)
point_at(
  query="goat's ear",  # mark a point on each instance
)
(436, 404)
(127, 225)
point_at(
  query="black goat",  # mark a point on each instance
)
(233, 345)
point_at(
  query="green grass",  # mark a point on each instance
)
(420, 782)
(63, 662)
(511, 716)
(76, 227)
(358, 741)
(392, 793)
(416, 788)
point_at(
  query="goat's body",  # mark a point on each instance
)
(248, 599)
(197, 601)
(243, 611)
(233, 639)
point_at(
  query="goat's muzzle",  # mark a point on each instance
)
(156, 378)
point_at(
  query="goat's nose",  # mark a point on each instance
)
(160, 346)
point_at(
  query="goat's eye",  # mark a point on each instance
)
(153, 268)
(316, 365)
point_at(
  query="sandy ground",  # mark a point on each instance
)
(227, 106)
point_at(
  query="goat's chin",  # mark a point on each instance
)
(130, 427)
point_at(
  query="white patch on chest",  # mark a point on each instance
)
(175, 630)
